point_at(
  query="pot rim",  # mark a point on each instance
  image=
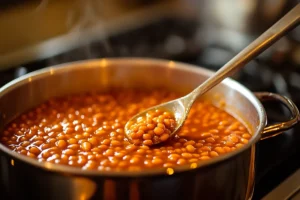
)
(106, 62)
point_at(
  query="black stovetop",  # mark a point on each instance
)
(278, 157)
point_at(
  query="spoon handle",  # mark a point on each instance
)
(286, 23)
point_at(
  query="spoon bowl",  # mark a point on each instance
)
(177, 107)
(180, 107)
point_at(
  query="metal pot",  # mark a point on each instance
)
(230, 176)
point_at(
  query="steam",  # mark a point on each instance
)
(42, 5)
(91, 35)
(87, 15)
(81, 17)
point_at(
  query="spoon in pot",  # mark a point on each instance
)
(157, 124)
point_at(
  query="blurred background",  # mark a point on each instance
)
(38, 33)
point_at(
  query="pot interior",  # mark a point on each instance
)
(35, 88)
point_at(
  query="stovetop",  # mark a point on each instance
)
(289, 189)
(278, 157)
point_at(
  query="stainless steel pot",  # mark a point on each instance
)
(230, 176)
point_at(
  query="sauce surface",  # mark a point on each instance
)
(87, 131)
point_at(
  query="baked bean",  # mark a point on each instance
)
(243, 140)
(181, 161)
(87, 131)
(123, 164)
(61, 144)
(93, 141)
(229, 143)
(158, 130)
(135, 160)
(69, 152)
(81, 160)
(25, 144)
(174, 157)
(214, 154)
(205, 148)
(206, 135)
(92, 157)
(193, 160)
(106, 142)
(190, 148)
(164, 137)
(246, 136)
(148, 142)
(31, 155)
(220, 150)
(131, 147)
(73, 146)
(141, 151)
(157, 161)
(204, 153)
(115, 143)
(191, 142)
(34, 150)
(86, 146)
(72, 141)
(204, 158)
(186, 155)
(147, 137)
(167, 165)
(227, 149)
(196, 155)
(103, 147)
(90, 165)
(234, 139)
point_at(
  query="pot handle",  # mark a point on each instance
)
(276, 129)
